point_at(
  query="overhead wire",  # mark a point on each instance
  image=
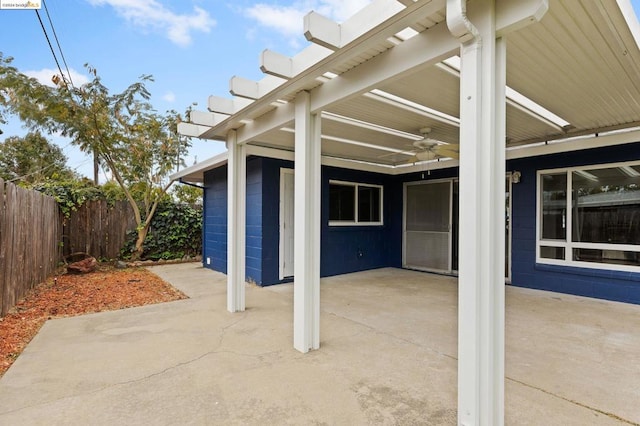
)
(55, 57)
(55, 35)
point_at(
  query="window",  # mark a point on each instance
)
(354, 204)
(590, 216)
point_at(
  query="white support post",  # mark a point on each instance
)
(482, 226)
(236, 216)
(306, 297)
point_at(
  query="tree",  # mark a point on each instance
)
(187, 194)
(32, 159)
(138, 145)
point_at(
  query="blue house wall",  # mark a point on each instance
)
(347, 249)
(525, 272)
(214, 226)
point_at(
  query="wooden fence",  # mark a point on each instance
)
(30, 235)
(98, 229)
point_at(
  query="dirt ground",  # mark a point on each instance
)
(107, 289)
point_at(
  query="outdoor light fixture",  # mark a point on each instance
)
(515, 176)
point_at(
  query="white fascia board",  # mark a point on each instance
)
(285, 67)
(203, 166)
(631, 18)
(225, 105)
(576, 144)
(205, 118)
(251, 89)
(192, 130)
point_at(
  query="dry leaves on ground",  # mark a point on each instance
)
(70, 295)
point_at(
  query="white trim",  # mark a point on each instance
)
(236, 224)
(355, 222)
(509, 243)
(306, 283)
(281, 246)
(568, 244)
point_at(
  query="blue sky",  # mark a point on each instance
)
(191, 47)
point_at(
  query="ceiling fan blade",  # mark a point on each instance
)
(448, 153)
(413, 160)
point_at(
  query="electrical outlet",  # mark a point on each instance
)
(208, 261)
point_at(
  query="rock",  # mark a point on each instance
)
(121, 265)
(83, 266)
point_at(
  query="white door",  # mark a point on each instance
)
(286, 223)
(427, 226)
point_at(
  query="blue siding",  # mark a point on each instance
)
(253, 267)
(604, 284)
(214, 245)
(355, 248)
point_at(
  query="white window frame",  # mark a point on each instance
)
(355, 222)
(568, 244)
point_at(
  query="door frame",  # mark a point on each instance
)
(450, 181)
(282, 235)
(508, 243)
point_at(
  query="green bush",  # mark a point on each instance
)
(176, 231)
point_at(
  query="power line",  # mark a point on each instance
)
(58, 43)
(49, 42)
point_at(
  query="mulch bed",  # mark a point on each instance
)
(107, 289)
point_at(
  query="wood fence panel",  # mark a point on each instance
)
(30, 233)
(3, 244)
(99, 229)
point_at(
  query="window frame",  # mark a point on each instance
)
(356, 222)
(568, 244)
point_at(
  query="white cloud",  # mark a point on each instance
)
(151, 14)
(287, 20)
(45, 75)
(169, 96)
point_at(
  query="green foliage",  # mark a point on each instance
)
(186, 194)
(139, 146)
(176, 231)
(32, 159)
(70, 194)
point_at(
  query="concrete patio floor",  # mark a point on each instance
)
(388, 356)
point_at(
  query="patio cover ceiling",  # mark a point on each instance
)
(576, 72)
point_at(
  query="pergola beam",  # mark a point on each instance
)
(425, 49)
(251, 89)
(330, 34)
(259, 90)
(286, 67)
(192, 130)
(205, 118)
(227, 106)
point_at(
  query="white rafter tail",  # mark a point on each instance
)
(227, 106)
(325, 32)
(278, 65)
(251, 89)
(322, 31)
(205, 118)
(192, 130)
(513, 15)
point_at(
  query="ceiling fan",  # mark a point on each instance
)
(427, 148)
